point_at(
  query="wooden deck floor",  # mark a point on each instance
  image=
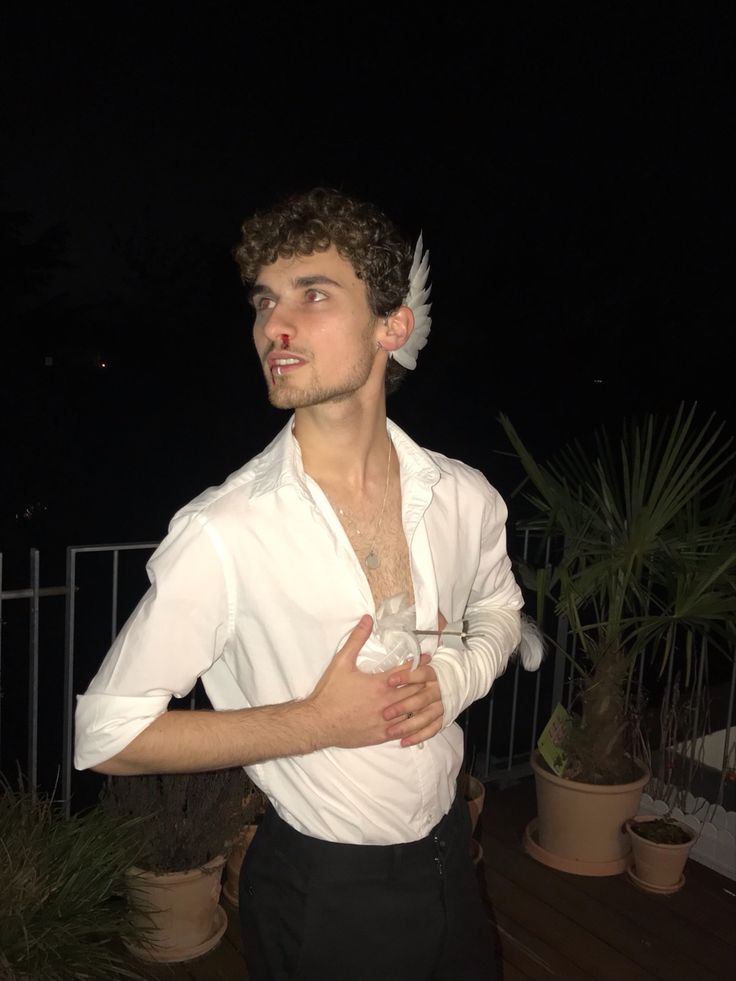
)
(553, 925)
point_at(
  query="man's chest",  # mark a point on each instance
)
(389, 574)
(381, 549)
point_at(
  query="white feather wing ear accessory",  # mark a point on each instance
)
(416, 299)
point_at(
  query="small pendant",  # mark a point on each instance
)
(372, 561)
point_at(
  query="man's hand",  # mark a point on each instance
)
(427, 712)
(352, 707)
(419, 714)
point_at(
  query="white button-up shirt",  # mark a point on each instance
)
(253, 590)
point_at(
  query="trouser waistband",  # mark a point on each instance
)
(299, 847)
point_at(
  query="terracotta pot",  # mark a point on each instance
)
(182, 908)
(580, 826)
(475, 796)
(230, 887)
(658, 867)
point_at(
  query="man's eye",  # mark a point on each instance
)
(314, 296)
(264, 303)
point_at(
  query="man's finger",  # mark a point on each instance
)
(418, 738)
(410, 722)
(418, 676)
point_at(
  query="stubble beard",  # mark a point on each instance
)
(285, 394)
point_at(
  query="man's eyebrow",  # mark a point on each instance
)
(304, 282)
(301, 283)
(258, 289)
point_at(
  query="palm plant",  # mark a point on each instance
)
(642, 535)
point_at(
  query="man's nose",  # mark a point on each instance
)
(280, 327)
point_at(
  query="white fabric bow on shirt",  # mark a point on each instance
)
(393, 641)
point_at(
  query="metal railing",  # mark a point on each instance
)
(501, 729)
(67, 753)
(33, 593)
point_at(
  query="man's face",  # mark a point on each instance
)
(314, 330)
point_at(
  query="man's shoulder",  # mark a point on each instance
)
(465, 479)
(262, 473)
(468, 479)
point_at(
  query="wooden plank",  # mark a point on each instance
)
(588, 957)
(233, 923)
(530, 954)
(512, 973)
(164, 972)
(224, 963)
(721, 889)
(690, 929)
(587, 901)
(152, 971)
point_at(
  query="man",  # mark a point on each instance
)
(278, 589)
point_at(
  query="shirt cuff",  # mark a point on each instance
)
(106, 724)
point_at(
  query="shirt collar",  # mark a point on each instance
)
(280, 464)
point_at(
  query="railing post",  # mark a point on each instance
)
(68, 717)
(33, 672)
(114, 611)
(727, 735)
(1, 650)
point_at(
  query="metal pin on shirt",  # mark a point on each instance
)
(441, 633)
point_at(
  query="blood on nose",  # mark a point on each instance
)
(284, 341)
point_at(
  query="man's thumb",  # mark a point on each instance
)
(356, 638)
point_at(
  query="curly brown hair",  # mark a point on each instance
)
(307, 223)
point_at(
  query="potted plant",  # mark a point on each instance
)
(474, 793)
(254, 807)
(640, 535)
(62, 912)
(191, 821)
(660, 847)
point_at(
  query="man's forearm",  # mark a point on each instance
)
(346, 709)
(189, 741)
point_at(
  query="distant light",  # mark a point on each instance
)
(597, 381)
(103, 364)
(28, 513)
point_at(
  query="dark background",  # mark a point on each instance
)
(570, 166)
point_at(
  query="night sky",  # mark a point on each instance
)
(570, 167)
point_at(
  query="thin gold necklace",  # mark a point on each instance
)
(372, 559)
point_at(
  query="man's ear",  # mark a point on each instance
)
(395, 330)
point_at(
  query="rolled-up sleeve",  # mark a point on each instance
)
(492, 616)
(176, 632)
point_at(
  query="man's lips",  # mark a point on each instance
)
(283, 362)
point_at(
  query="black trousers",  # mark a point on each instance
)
(312, 910)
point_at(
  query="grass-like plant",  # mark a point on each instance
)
(62, 915)
(641, 534)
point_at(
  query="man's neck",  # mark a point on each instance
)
(343, 443)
